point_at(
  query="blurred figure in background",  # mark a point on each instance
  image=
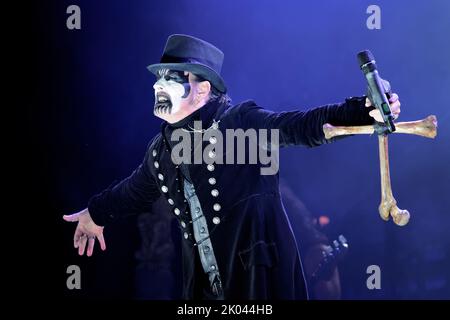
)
(313, 245)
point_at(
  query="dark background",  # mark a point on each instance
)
(89, 119)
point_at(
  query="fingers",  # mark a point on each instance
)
(376, 114)
(71, 217)
(82, 246)
(393, 98)
(395, 111)
(82, 239)
(91, 243)
(394, 105)
(102, 241)
(85, 233)
(75, 216)
(77, 237)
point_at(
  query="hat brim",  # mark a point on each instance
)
(196, 68)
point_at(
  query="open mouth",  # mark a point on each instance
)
(163, 104)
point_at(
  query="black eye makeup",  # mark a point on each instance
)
(172, 75)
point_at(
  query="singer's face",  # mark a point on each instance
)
(172, 94)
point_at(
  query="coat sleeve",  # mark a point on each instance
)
(132, 195)
(305, 127)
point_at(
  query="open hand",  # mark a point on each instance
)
(86, 232)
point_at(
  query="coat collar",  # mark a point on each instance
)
(212, 110)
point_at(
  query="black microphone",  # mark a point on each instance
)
(377, 88)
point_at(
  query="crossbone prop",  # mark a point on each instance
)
(388, 206)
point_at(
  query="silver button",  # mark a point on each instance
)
(214, 192)
(160, 177)
(197, 210)
(176, 211)
(211, 154)
(216, 220)
(213, 140)
(212, 268)
(185, 235)
(212, 181)
(206, 249)
(154, 152)
(170, 201)
(202, 229)
(156, 164)
(210, 167)
(183, 224)
(164, 189)
(216, 207)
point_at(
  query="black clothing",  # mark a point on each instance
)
(252, 238)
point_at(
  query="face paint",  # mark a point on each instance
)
(170, 88)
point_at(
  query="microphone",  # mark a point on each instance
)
(377, 88)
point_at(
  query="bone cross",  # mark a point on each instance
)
(388, 206)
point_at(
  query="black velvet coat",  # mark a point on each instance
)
(252, 238)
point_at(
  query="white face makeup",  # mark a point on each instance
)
(171, 90)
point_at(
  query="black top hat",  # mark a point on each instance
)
(186, 53)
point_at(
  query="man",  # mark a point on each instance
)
(237, 241)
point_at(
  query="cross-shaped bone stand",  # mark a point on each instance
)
(388, 206)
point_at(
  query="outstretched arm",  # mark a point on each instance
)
(132, 195)
(305, 127)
